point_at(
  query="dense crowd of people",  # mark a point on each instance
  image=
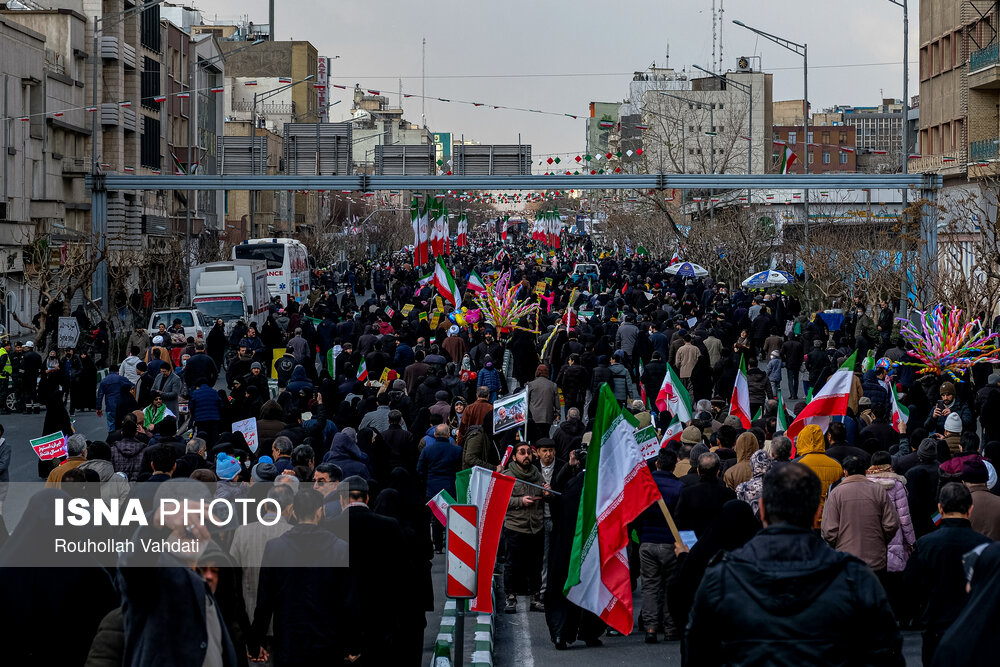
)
(814, 551)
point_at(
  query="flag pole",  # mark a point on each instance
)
(670, 521)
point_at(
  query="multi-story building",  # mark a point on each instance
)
(713, 127)
(830, 148)
(46, 150)
(602, 123)
(375, 123)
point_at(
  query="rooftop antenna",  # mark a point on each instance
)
(423, 82)
(667, 63)
(721, 22)
(713, 38)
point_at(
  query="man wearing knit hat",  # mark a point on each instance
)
(953, 433)
(986, 516)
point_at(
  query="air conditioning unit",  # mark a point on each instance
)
(743, 64)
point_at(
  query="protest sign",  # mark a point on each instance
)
(510, 412)
(50, 447)
(248, 427)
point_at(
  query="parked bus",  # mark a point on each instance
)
(287, 265)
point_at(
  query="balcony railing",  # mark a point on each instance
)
(985, 57)
(981, 151)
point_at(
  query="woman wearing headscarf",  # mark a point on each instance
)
(733, 528)
(81, 590)
(971, 639)
(215, 344)
(56, 420)
(83, 391)
(750, 490)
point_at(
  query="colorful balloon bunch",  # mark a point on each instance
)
(499, 305)
(945, 346)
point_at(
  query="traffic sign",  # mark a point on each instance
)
(69, 332)
(463, 522)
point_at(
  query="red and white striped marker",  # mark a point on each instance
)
(463, 556)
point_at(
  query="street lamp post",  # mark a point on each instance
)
(904, 152)
(801, 50)
(253, 140)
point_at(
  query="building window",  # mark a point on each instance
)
(149, 29)
(777, 137)
(809, 137)
(826, 157)
(811, 156)
(150, 84)
(826, 137)
(150, 147)
(792, 137)
(843, 157)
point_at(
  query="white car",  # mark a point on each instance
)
(194, 323)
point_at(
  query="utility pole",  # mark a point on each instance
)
(423, 82)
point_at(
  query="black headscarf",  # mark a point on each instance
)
(970, 640)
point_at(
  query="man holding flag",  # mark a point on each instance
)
(617, 488)
(523, 530)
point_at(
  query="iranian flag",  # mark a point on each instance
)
(439, 506)
(642, 387)
(739, 404)
(445, 283)
(787, 158)
(900, 415)
(782, 419)
(617, 487)
(672, 432)
(674, 258)
(462, 238)
(503, 230)
(674, 397)
(829, 402)
(476, 283)
(490, 492)
(419, 223)
(362, 371)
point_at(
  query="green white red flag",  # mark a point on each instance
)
(787, 158)
(831, 400)
(490, 492)
(900, 414)
(617, 488)
(476, 283)
(445, 283)
(782, 420)
(739, 403)
(439, 506)
(674, 397)
(672, 433)
(362, 371)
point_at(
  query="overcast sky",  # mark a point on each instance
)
(522, 53)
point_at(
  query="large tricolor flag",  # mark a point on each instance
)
(739, 404)
(419, 223)
(476, 283)
(445, 283)
(462, 238)
(490, 492)
(829, 402)
(617, 487)
(674, 397)
(900, 413)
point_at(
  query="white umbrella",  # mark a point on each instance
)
(768, 279)
(687, 269)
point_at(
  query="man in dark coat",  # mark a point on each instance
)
(791, 356)
(374, 542)
(786, 597)
(700, 503)
(934, 572)
(304, 586)
(574, 380)
(569, 434)
(200, 368)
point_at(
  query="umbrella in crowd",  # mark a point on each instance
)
(687, 269)
(768, 278)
